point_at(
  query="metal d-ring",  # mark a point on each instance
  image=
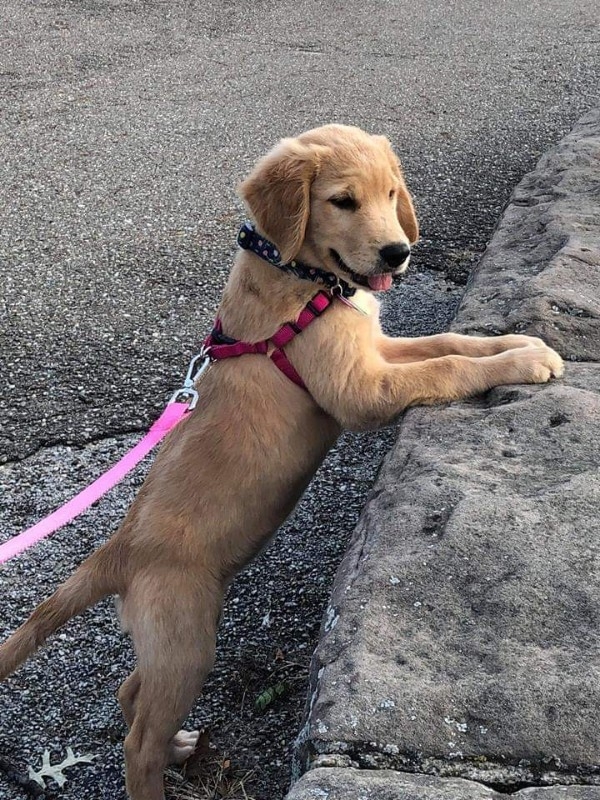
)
(337, 290)
(185, 395)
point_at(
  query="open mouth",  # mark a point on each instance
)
(379, 282)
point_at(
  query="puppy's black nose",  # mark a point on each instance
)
(395, 254)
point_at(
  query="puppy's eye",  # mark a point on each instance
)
(392, 193)
(346, 202)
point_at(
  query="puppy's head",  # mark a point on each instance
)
(336, 197)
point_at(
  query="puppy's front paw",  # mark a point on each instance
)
(514, 340)
(538, 364)
(492, 345)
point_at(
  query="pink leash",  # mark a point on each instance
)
(169, 418)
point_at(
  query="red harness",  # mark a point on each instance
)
(218, 346)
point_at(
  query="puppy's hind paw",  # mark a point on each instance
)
(183, 745)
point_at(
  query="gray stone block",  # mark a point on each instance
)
(541, 271)
(462, 635)
(354, 784)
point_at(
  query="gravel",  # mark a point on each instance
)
(123, 133)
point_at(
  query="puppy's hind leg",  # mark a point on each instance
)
(182, 744)
(173, 625)
(127, 696)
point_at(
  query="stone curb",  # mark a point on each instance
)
(353, 784)
(461, 640)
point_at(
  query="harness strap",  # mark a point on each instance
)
(219, 346)
(283, 364)
(225, 347)
(313, 309)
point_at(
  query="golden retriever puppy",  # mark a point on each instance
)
(333, 223)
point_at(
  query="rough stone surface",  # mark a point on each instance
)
(462, 636)
(462, 633)
(353, 784)
(541, 271)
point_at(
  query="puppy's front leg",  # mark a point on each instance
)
(405, 350)
(376, 392)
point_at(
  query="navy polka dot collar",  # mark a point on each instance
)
(249, 239)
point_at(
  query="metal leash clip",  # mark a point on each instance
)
(187, 393)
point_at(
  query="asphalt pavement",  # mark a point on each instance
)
(123, 132)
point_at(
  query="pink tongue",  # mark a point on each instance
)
(380, 283)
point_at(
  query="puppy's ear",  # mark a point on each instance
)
(277, 193)
(404, 204)
(406, 213)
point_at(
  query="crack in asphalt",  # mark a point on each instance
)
(115, 434)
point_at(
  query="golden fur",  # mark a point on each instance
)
(232, 471)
